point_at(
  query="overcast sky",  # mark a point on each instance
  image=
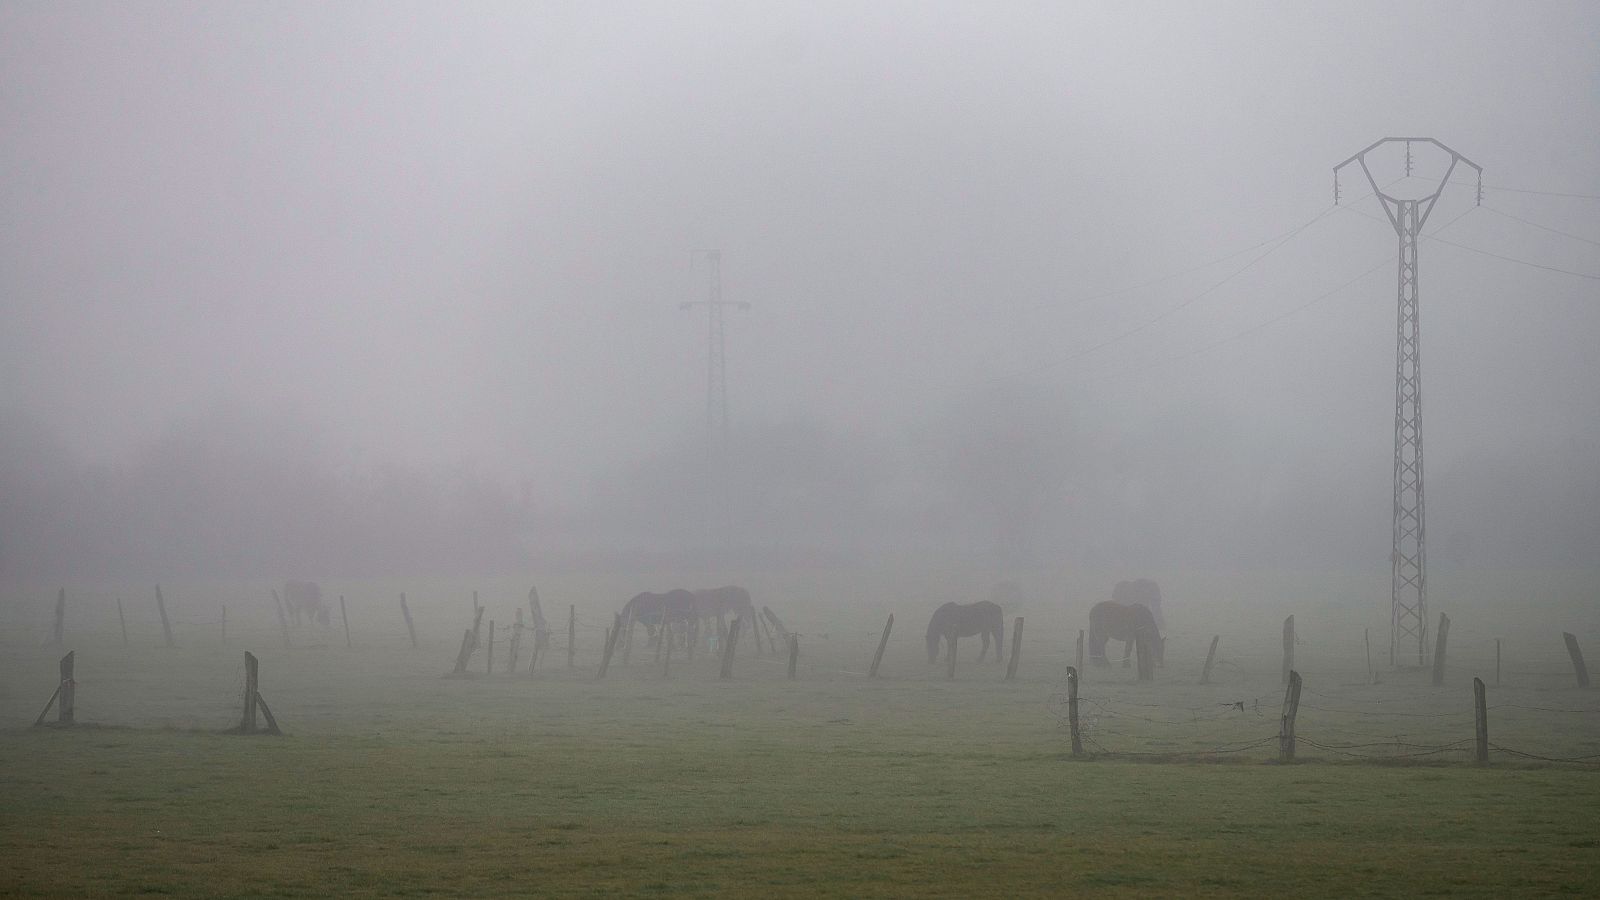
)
(460, 232)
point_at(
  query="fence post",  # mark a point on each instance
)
(1072, 710)
(882, 643)
(489, 668)
(277, 602)
(1291, 708)
(166, 627)
(123, 620)
(516, 644)
(66, 690)
(252, 666)
(794, 652)
(1079, 665)
(1573, 651)
(1480, 708)
(611, 644)
(572, 633)
(776, 622)
(61, 615)
(410, 628)
(1288, 648)
(464, 653)
(343, 614)
(952, 638)
(727, 652)
(1016, 649)
(1438, 649)
(1211, 656)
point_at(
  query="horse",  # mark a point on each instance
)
(305, 598)
(1110, 620)
(656, 612)
(719, 603)
(956, 620)
(1144, 592)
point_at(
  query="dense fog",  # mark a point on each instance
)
(360, 289)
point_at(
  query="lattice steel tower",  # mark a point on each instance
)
(717, 430)
(1409, 557)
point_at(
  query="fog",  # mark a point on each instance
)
(354, 289)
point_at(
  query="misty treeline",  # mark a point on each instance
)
(1008, 477)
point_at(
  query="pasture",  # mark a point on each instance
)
(395, 781)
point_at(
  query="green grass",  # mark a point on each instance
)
(394, 781)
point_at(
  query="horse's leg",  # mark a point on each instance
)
(1127, 653)
(984, 653)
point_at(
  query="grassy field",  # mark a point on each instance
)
(395, 781)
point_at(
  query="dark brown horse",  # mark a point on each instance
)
(1126, 622)
(654, 611)
(957, 620)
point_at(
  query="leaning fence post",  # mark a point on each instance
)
(1016, 649)
(1072, 710)
(65, 688)
(161, 607)
(1573, 651)
(727, 653)
(464, 654)
(247, 724)
(611, 644)
(343, 615)
(123, 620)
(61, 615)
(1291, 708)
(1438, 649)
(410, 628)
(1211, 656)
(1288, 648)
(882, 643)
(794, 653)
(1480, 708)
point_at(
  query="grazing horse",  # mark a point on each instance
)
(956, 620)
(657, 613)
(1143, 592)
(304, 598)
(1126, 622)
(720, 603)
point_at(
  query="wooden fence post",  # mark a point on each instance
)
(794, 652)
(489, 667)
(1480, 708)
(1291, 708)
(1288, 648)
(572, 633)
(776, 622)
(727, 652)
(283, 619)
(1016, 649)
(1072, 709)
(66, 692)
(516, 644)
(61, 615)
(410, 628)
(247, 724)
(477, 621)
(1573, 651)
(1078, 665)
(343, 614)
(1211, 657)
(464, 654)
(123, 620)
(1438, 649)
(161, 607)
(882, 643)
(952, 638)
(611, 644)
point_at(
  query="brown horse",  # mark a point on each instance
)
(956, 620)
(1144, 592)
(1126, 622)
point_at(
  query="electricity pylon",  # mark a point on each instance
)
(1408, 617)
(717, 430)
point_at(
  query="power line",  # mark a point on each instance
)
(1568, 234)
(1496, 187)
(1501, 256)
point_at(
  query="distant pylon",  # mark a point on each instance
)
(1408, 617)
(717, 428)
